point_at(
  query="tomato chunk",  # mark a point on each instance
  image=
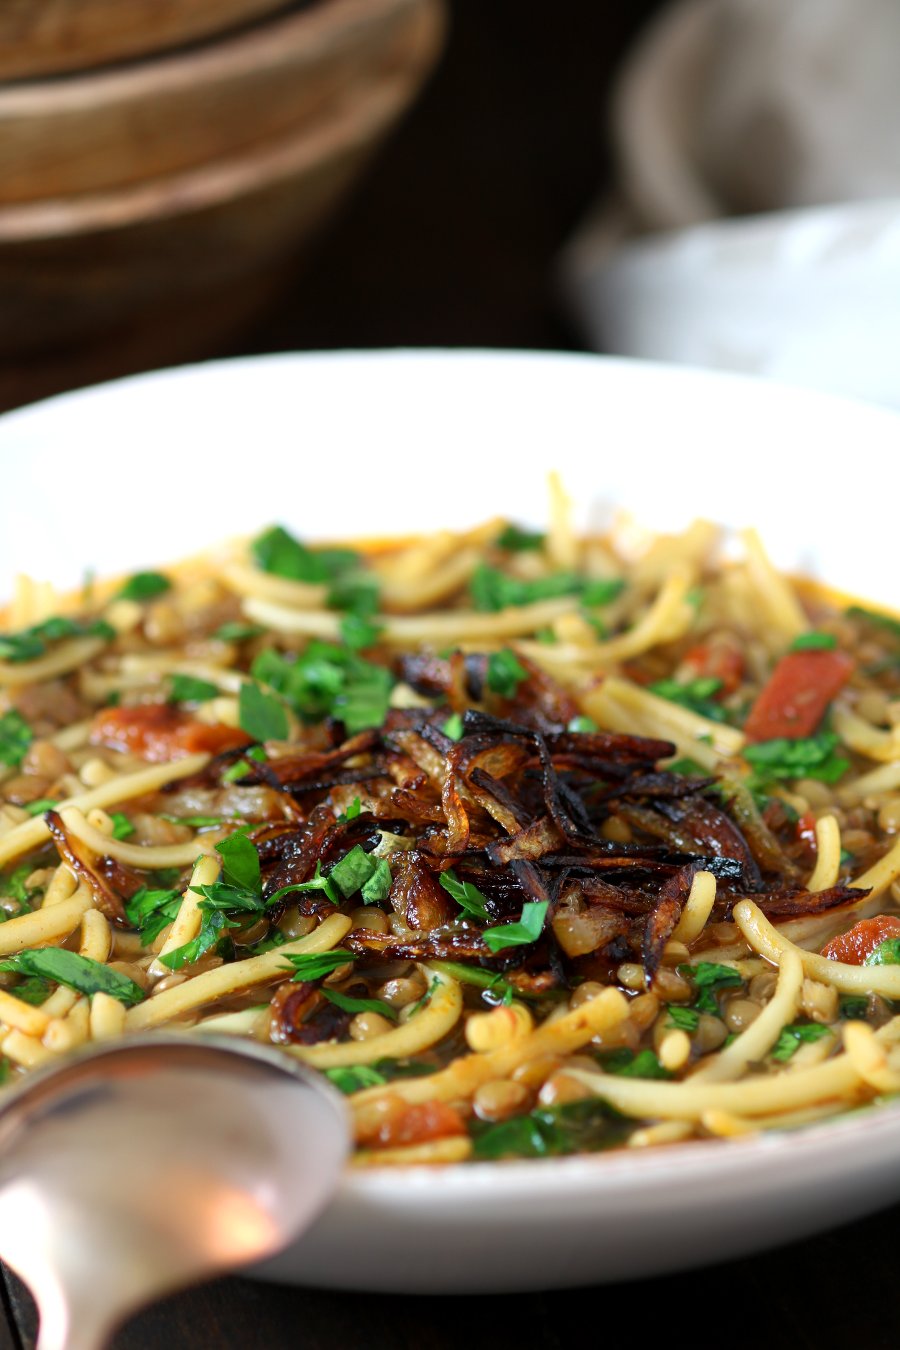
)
(159, 732)
(853, 947)
(797, 694)
(416, 1124)
(714, 660)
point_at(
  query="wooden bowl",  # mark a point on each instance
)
(89, 133)
(72, 271)
(41, 37)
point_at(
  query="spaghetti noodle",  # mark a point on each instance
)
(534, 844)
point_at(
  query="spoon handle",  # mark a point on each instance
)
(79, 1325)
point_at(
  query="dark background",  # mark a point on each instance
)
(451, 238)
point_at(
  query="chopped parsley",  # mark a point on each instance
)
(808, 757)
(237, 632)
(887, 953)
(709, 978)
(316, 965)
(578, 1127)
(144, 586)
(505, 673)
(34, 990)
(516, 540)
(453, 727)
(853, 1008)
(792, 1037)
(695, 695)
(359, 871)
(583, 726)
(278, 552)
(74, 971)
(602, 591)
(122, 826)
(467, 896)
(527, 929)
(40, 806)
(14, 885)
(261, 715)
(351, 813)
(495, 988)
(151, 911)
(492, 590)
(813, 642)
(349, 1080)
(30, 643)
(357, 1005)
(15, 738)
(633, 1064)
(688, 767)
(240, 768)
(188, 689)
(681, 1018)
(328, 680)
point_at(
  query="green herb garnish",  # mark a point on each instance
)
(151, 911)
(15, 738)
(792, 1037)
(261, 715)
(887, 953)
(516, 540)
(122, 826)
(695, 695)
(74, 971)
(144, 586)
(453, 727)
(358, 1005)
(813, 642)
(237, 632)
(327, 680)
(187, 689)
(582, 726)
(316, 965)
(505, 673)
(354, 1080)
(468, 897)
(808, 757)
(359, 871)
(528, 929)
(633, 1064)
(278, 552)
(681, 1018)
(30, 643)
(709, 978)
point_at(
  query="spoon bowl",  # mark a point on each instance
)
(148, 1164)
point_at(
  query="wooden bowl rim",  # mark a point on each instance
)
(361, 119)
(271, 41)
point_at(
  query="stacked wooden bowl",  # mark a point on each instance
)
(148, 209)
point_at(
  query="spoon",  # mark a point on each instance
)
(144, 1165)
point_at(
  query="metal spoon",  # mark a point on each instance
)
(148, 1164)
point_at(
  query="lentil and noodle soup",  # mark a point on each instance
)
(533, 844)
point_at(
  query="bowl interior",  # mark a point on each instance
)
(362, 444)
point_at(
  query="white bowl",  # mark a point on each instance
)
(807, 296)
(145, 470)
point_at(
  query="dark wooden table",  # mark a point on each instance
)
(451, 242)
(835, 1290)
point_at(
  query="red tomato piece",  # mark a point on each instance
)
(417, 1124)
(159, 732)
(794, 700)
(717, 661)
(853, 947)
